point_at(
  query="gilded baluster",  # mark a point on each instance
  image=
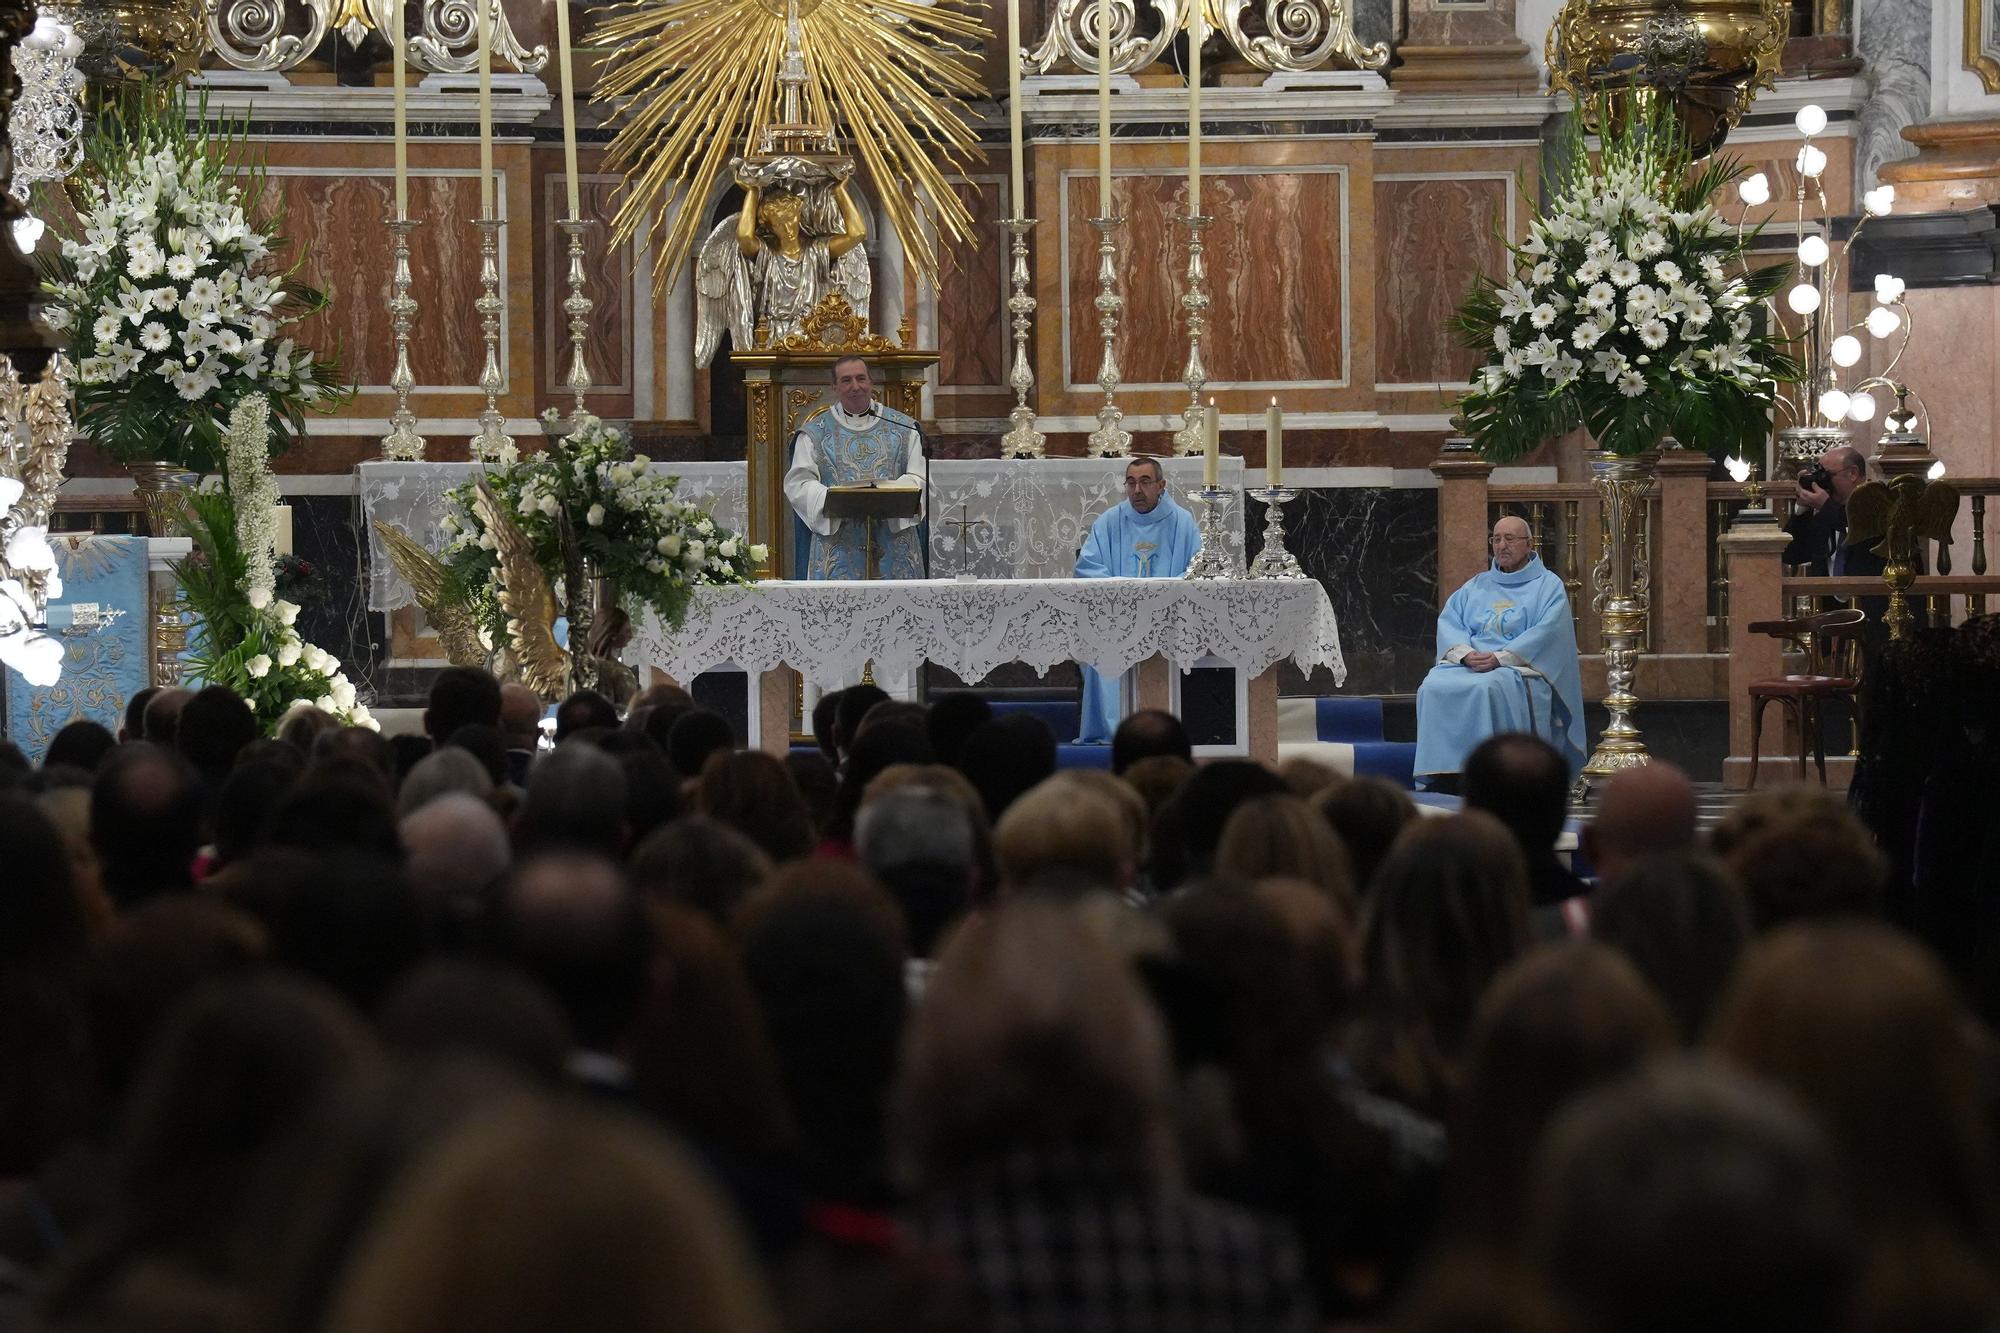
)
(1571, 582)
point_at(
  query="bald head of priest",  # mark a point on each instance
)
(1146, 535)
(1506, 661)
(856, 440)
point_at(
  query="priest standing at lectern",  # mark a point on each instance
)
(1146, 536)
(1506, 662)
(855, 442)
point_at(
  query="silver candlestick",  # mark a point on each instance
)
(1188, 439)
(1110, 439)
(1274, 561)
(1023, 441)
(491, 445)
(1216, 559)
(402, 443)
(578, 307)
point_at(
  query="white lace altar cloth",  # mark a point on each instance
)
(827, 630)
(1025, 517)
(410, 496)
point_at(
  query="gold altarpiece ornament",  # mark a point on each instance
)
(1277, 36)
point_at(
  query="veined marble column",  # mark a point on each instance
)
(1893, 39)
(1451, 47)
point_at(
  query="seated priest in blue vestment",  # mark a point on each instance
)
(1506, 662)
(852, 443)
(1148, 536)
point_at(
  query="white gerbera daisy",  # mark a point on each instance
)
(1542, 315)
(154, 337)
(1654, 333)
(1631, 384)
(1623, 273)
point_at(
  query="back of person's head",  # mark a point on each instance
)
(303, 724)
(406, 751)
(521, 711)
(1005, 757)
(582, 710)
(552, 1217)
(1210, 798)
(663, 695)
(699, 861)
(1643, 811)
(1033, 1035)
(461, 696)
(894, 710)
(751, 792)
(80, 744)
(1146, 734)
(1800, 853)
(132, 722)
(1679, 917)
(658, 723)
(1158, 779)
(1062, 836)
(824, 710)
(485, 743)
(876, 749)
(163, 714)
(1555, 1024)
(919, 843)
(952, 718)
(575, 798)
(43, 925)
(454, 848)
(652, 791)
(1368, 813)
(439, 774)
(466, 1007)
(1279, 837)
(824, 949)
(145, 823)
(243, 808)
(1688, 1197)
(358, 747)
(818, 785)
(1522, 781)
(338, 807)
(214, 725)
(1449, 912)
(696, 736)
(570, 920)
(1307, 778)
(854, 704)
(346, 917)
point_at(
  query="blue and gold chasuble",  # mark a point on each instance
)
(880, 452)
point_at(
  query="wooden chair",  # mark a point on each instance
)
(1832, 645)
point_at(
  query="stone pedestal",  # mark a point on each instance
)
(1957, 166)
(1462, 531)
(1680, 603)
(1753, 556)
(1450, 47)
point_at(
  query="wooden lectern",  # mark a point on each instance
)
(869, 505)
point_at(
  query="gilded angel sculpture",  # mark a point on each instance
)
(798, 237)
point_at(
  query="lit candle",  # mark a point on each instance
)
(1197, 33)
(1104, 109)
(402, 112)
(1018, 198)
(1274, 445)
(485, 108)
(569, 106)
(1211, 448)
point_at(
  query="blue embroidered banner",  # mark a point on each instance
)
(105, 630)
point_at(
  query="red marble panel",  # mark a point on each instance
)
(1276, 289)
(607, 281)
(1432, 239)
(972, 298)
(335, 221)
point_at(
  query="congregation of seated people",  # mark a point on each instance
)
(615, 1026)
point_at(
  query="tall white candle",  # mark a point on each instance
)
(1104, 109)
(568, 107)
(402, 111)
(1197, 34)
(485, 107)
(1211, 448)
(1274, 445)
(1017, 199)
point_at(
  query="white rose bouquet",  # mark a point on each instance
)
(172, 296)
(1631, 310)
(623, 512)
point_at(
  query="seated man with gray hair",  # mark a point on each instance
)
(919, 843)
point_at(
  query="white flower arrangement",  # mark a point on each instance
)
(255, 492)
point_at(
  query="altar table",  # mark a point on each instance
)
(825, 632)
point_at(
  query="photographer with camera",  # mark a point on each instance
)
(1818, 527)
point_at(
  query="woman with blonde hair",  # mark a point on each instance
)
(1279, 837)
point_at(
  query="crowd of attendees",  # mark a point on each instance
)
(642, 1030)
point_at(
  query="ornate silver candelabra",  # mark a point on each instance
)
(1188, 439)
(1274, 561)
(1215, 559)
(578, 307)
(1023, 441)
(491, 445)
(402, 443)
(1110, 439)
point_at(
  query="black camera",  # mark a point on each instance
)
(1817, 478)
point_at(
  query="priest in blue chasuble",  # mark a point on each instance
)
(1148, 536)
(1506, 661)
(856, 441)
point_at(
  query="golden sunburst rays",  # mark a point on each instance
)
(696, 82)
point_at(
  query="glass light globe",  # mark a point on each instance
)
(1738, 469)
(1846, 350)
(1804, 298)
(1878, 201)
(1755, 189)
(1811, 162)
(1883, 321)
(1861, 406)
(28, 231)
(1813, 251)
(1888, 288)
(1937, 470)
(1833, 405)
(1810, 120)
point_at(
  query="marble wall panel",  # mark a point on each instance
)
(1276, 260)
(607, 281)
(1433, 238)
(972, 298)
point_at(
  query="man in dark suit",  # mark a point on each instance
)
(1818, 527)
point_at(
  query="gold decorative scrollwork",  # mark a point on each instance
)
(277, 35)
(1297, 36)
(833, 326)
(798, 402)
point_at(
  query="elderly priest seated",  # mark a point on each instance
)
(1506, 662)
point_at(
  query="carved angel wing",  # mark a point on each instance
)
(722, 298)
(525, 595)
(852, 279)
(1868, 512)
(432, 584)
(1936, 509)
